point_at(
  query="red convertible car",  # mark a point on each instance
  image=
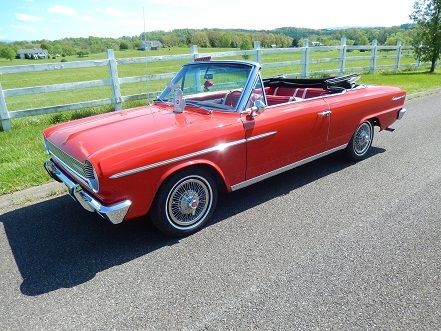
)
(216, 126)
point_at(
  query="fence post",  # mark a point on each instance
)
(343, 55)
(194, 51)
(4, 114)
(258, 51)
(305, 62)
(398, 59)
(373, 57)
(113, 71)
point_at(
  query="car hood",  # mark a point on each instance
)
(87, 137)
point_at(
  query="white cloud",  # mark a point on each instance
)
(87, 18)
(23, 27)
(27, 18)
(29, 0)
(63, 10)
(111, 11)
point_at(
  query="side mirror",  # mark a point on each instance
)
(258, 108)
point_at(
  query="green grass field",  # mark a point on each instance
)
(22, 152)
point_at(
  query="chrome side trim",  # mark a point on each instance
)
(261, 136)
(398, 98)
(217, 148)
(114, 213)
(285, 168)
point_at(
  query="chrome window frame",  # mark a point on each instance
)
(246, 91)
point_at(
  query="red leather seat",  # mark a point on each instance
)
(276, 99)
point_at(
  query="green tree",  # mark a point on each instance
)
(82, 53)
(427, 16)
(245, 44)
(215, 38)
(123, 46)
(170, 40)
(8, 53)
(200, 38)
(403, 36)
(226, 39)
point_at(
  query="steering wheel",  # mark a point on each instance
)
(232, 97)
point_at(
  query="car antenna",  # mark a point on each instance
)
(145, 55)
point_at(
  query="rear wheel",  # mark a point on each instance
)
(360, 142)
(185, 202)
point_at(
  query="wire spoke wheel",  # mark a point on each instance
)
(189, 202)
(363, 138)
(361, 141)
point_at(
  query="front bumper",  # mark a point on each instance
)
(114, 213)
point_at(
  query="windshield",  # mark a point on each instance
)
(209, 85)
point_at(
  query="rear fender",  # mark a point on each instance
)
(384, 118)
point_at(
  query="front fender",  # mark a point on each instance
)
(192, 163)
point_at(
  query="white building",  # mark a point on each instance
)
(33, 53)
(150, 45)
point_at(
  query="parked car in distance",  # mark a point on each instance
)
(216, 126)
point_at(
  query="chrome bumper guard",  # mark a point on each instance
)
(114, 213)
(401, 113)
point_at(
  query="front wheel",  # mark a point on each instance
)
(360, 142)
(185, 202)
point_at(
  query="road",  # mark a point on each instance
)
(329, 245)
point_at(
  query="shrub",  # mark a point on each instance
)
(82, 114)
(58, 118)
(123, 46)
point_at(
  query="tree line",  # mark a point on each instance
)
(216, 38)
(424, 34)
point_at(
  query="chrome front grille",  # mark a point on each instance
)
(76, 166)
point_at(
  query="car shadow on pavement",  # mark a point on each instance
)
(56, 244)
(236, 202)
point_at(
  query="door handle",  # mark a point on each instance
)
(324, 113)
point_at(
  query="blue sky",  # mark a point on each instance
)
(52, 19)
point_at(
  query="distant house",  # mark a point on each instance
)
(33, 53)
(150, 45)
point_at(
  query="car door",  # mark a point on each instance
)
(348, 108)
(284, 134)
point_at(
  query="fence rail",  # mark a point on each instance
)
(114, 81)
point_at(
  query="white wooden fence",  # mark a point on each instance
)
(114, 81)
